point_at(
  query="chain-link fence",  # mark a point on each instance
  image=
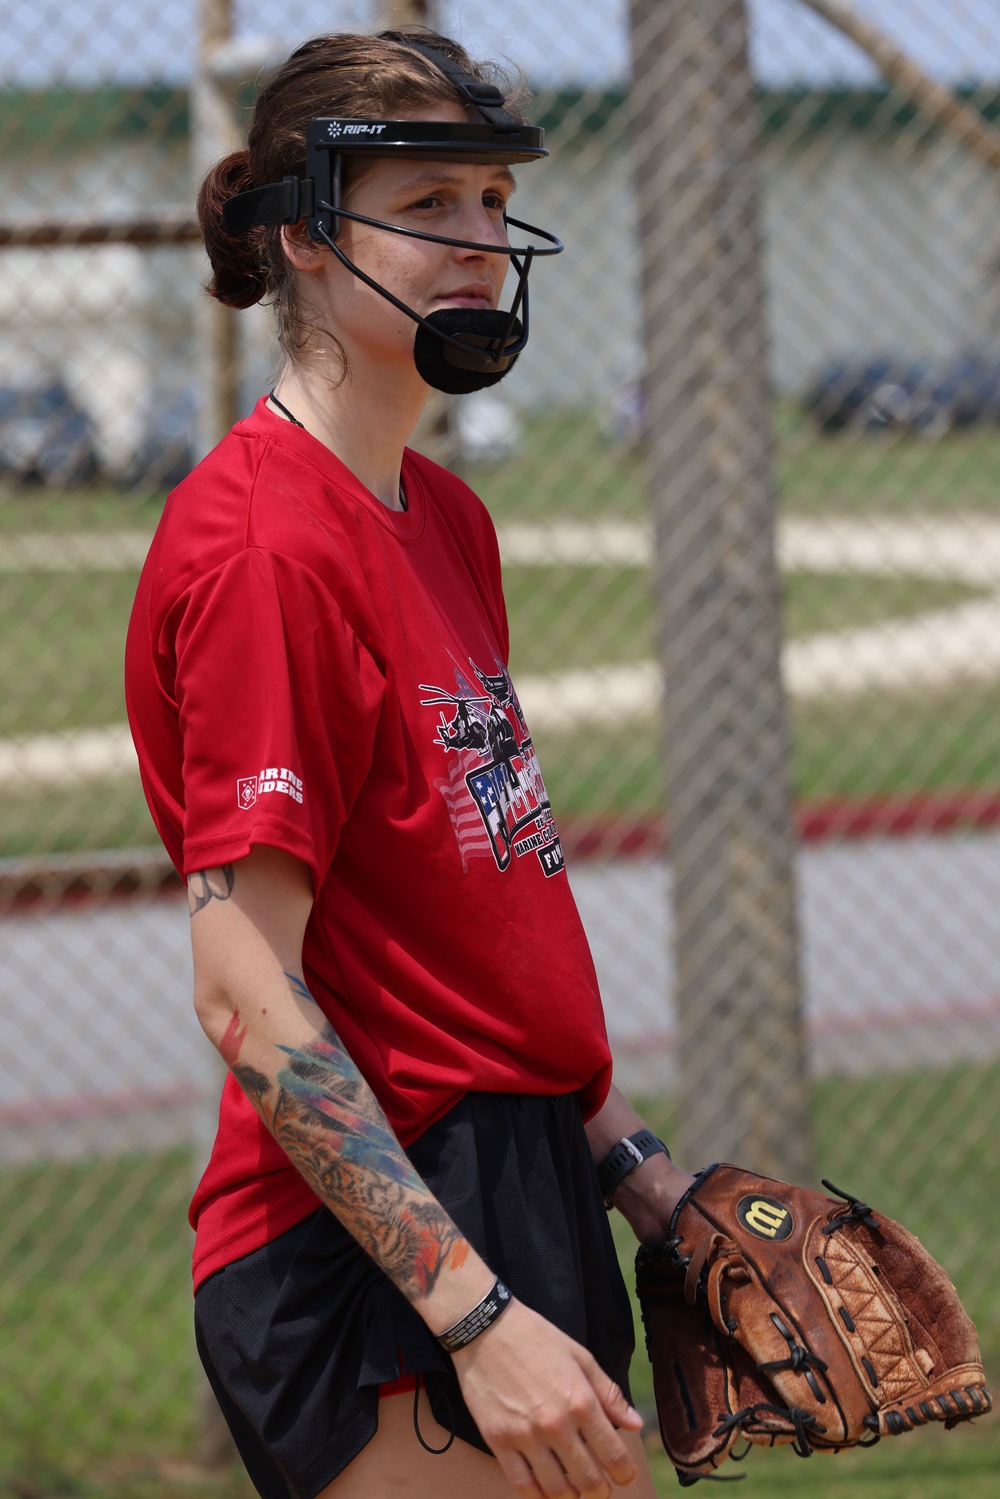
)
(870, 160)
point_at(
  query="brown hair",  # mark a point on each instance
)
(360, 77)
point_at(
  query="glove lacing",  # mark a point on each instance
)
(800, 1360)
(729, 1262)
(857, 1212)
(803, 1421)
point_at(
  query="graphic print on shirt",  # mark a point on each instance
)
(495, 783)
(271, 778)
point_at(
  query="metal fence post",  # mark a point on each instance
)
(213, 130)
(743, 1091)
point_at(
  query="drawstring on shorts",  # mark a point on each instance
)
(435, 1451)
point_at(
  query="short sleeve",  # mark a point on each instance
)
(278, 703)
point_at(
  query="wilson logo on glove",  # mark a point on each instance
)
(765, 1217)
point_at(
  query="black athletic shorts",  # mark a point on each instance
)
(297, 1336)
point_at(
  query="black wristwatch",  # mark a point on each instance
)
(622, 1159)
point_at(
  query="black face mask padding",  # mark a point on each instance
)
(457, 373)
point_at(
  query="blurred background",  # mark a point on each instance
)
(747, 485)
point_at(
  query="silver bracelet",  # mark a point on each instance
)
(478, 1320)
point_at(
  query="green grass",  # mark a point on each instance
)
(933, 1464)
(132, 1478)
(862, 746)
(63, 634)
(580, 617)
(95, 1311)
(867, 473)
(62, 639)
(961, 1464)
(859, 747)
(566, 467)
(899, 743)
(62, 645)
(89, 815)
(96, 1357)
(88, 508)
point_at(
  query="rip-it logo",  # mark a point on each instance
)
(336, 128)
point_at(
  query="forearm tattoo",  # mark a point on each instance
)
(324, 1115)
(207, 885)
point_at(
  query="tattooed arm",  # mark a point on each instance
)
(247, 924)
(540, 1400)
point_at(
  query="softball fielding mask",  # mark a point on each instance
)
(456, 349)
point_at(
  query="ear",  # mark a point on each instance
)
(300, 251)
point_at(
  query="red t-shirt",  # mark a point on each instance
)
(308, 669)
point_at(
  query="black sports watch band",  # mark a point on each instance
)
(622, 1159)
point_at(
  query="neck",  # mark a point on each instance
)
(366, 420)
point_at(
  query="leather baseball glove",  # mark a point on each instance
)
(781, 1315)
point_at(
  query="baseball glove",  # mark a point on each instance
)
(781, 1315)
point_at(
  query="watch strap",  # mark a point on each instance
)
(623, 1157)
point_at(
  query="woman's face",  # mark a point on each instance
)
(457, 199)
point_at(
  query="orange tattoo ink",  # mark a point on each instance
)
(233, 1039)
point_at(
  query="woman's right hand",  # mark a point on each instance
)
(546, 1408)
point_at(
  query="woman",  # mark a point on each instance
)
(386, 951)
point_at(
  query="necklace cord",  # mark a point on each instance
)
(296, 423)
(285, 411)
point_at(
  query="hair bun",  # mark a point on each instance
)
(239, 264)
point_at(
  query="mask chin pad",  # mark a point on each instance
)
(458, 372)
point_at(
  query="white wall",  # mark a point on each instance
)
(873, 245)
(112, 320)
(878, 246)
